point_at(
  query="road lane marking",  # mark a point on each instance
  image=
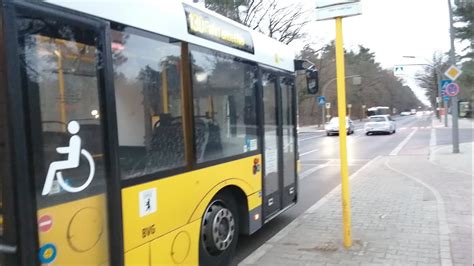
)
(315, 137)
(403, 143)
(308, 152)
(312, 170)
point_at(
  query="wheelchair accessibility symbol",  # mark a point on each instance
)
(74, 152)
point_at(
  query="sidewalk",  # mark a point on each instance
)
(462, 122)
(406, 210)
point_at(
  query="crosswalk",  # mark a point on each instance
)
(412, 128)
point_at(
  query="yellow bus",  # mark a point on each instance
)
(139, 133)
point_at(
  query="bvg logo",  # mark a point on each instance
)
(148, 231)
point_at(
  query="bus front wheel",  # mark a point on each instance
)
(219, 231)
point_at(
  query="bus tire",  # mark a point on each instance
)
(219, 231)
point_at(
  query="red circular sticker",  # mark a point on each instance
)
(45, 223)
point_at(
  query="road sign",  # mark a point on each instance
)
(446, 98)
(321, 100)
(445, 82)
(398, 71)
(452, 89)
(438, 99)
(352, 8)
(328, 105)
(453, 72)
(349, 105)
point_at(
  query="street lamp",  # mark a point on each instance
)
(356, 80)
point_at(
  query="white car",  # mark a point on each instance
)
(405, 113)
(380, 124)
(332, 128)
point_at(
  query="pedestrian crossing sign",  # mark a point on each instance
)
(321, 100)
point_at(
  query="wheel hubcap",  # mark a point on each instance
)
(223, 229)
(218, 232)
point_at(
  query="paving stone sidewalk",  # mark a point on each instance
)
(406, 210)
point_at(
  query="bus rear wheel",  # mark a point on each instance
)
(219, 231)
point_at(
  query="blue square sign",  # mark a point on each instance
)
(444, 82)
(321, 100)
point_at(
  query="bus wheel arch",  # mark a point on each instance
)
(243, 212)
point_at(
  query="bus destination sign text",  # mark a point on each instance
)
(214, 29)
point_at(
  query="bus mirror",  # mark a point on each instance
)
(312, 81)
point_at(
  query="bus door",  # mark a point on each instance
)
(8, 240)
(63, 62)
(288, 122)
(279, 179)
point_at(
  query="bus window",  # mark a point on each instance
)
(148, 102)
(224, 94)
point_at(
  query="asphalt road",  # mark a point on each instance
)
(320, 172)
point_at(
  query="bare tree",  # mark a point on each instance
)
(428, 79)
(285, 23)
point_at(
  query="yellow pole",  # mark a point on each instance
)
(164, 92)
(62, 103)
(341, 105)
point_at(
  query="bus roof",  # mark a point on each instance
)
(169, 18)
(378, 108)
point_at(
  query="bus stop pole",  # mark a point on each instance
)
(341, 105)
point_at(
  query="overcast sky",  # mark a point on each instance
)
(393, 29)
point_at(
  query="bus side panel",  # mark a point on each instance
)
(181, 199)
(255, 212)
(138, 256)
(239, 173)
(178, 247)
(75, 231)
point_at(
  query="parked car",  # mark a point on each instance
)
(405, 113)
(380, 124)
(332, 127)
